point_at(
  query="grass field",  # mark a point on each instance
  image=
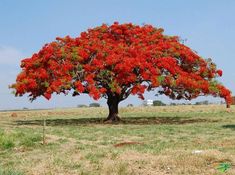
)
(150, 140)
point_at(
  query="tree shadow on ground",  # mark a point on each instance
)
(124, 121)
(229, 126)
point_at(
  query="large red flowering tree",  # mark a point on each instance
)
(118, 60)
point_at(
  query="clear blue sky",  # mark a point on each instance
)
(26, 25)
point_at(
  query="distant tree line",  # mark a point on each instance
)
(90, 105)
(155, 103)
(205, 102)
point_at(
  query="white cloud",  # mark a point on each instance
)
(10, 55)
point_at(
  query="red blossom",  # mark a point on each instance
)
(47, 96)
(79, 87)
(219, 72)
(119, 60)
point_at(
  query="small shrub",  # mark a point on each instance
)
(158, 103)
(206, 102)
(173, 104)
(82, 106)
(94, 105)
(223, 167)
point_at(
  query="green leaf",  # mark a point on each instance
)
(63, 52)
(46, 84)
(213, 86)
(74, 56)
(79, 67)
(160, 79)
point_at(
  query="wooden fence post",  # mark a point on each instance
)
(44, 132)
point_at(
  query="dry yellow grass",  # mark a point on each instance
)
(79, 143)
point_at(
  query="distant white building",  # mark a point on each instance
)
(148, 102)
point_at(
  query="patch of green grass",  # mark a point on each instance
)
(10, 172)
(16, 138)
(31, 140)
(95, 157)
(6, 142)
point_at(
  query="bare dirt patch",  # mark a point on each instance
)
(127, 143)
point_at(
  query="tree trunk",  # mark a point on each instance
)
(113, 102)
